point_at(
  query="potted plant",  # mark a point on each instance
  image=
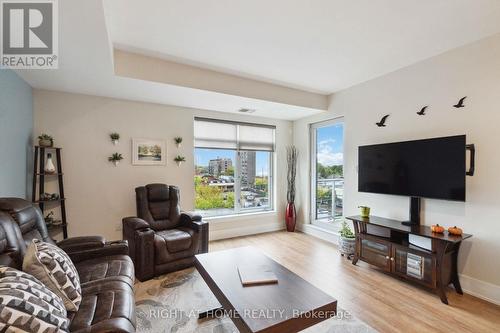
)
(114, 138)
(179, 159)
(115, 158)
(347, 241)
(290, 213)
(45, 140)
(178, 141)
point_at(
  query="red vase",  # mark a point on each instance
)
(290, 217)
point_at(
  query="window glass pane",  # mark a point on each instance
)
(214, 181)
(255, 181)
(329, 180)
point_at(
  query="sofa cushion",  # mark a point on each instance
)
(118, 267)
(106, 307)
(176, 240)
(26, 305)
(54, 268)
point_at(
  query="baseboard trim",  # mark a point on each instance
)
(484, 290)
(472, 286)
(321, 233)
(224, 233)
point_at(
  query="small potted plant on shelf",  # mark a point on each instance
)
(45, 140)
(347, 241)
(115, 158)
(179, 159)
(114, 138)
(178, 141)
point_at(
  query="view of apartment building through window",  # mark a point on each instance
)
(232, 181)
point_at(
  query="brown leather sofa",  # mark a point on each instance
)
(106, 271)
(161, 238)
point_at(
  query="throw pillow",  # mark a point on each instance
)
(26, 305)
(52, 266)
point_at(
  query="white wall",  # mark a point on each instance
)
(473, 71)
(99, 194)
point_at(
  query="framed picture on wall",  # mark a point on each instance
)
(148, 152)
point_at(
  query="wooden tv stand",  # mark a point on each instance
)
(385, 243)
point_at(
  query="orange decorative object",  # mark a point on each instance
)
(455, 231)
(437, 228)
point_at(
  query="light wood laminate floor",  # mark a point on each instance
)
(383, 302)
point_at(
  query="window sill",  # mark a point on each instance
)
(221, 219)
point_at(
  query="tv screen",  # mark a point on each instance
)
(430, 168)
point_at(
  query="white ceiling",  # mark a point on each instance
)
(315, 45)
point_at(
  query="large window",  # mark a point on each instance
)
(233, 167)
(327, 164)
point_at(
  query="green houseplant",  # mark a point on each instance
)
(179, 159)
(115, 158)
(45, 140)
(347, 241)
(114, 137)
(178, 141)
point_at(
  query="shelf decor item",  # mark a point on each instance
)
(437, 229)
(290, 213)
(148, 152)
(178, 141)
(45, 140)
(179, 159)
(115, 137)
(347, 241)
(49, 168)
(115, 158)
(364, 211)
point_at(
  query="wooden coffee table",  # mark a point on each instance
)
(291, 305)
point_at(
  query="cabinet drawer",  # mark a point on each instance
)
(376, 253)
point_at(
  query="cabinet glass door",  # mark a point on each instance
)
(376, 253)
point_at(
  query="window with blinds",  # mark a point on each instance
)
(233, 167)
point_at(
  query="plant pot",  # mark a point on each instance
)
(115, 142)
(290, 217)
(178, 144)
(45, 143)
(178, 163)
(347, 246)
(116, 163)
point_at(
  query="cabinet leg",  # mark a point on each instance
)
(442, 295)
(355, 259)
(456, 284)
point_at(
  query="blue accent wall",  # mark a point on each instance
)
(16, 128)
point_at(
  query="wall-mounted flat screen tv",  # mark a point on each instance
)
(430, 168)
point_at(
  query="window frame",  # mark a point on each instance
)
(238, 210)
(313, 171)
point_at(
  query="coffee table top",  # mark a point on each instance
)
(291, 305)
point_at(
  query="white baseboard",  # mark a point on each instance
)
(312, 230)
(480, 289)
(487, 291)
(244, 231)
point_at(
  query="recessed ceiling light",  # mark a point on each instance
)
(245, 110)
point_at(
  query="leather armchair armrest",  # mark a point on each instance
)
(113, 248)
(193, 221)
(134, 223)
(74, 244)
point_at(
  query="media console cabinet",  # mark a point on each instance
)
(385, 243)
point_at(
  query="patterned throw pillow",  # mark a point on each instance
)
(54, 268)
(26, 305)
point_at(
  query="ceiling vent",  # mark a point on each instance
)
(244, 110)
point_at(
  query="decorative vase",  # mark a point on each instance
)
(49, 165)
(290, 217)
(178, 144)
(115, 142)
(178, 163)
(116, 162)
(347, 246)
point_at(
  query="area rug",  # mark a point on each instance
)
(170, 304)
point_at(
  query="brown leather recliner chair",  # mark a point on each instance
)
(163, 239)
(106, 271)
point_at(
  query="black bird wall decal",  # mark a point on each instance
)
(460, 103)
(422, 112)
(381, 123)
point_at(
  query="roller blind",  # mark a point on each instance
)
(219, 134)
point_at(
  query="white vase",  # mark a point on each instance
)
(116, 163)
(178, 144)
(178, 163)
(49, 165)
(115, 142)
